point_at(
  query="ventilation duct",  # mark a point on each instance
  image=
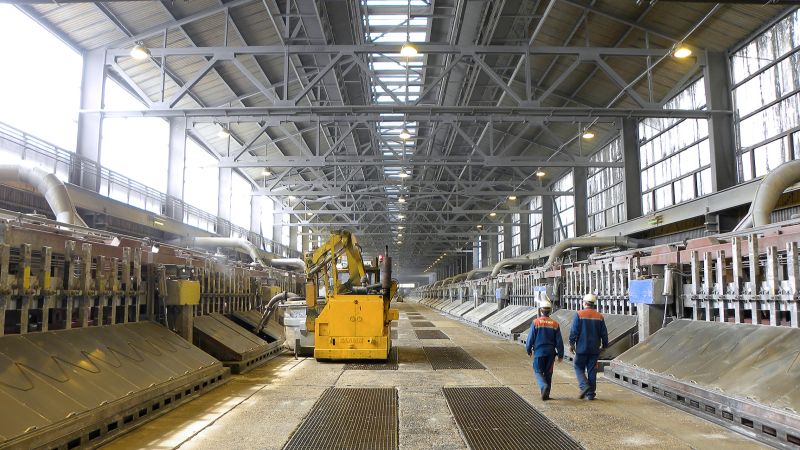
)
(594, 241)
(769, 191)
(47, 184)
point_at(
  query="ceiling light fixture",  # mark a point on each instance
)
(540, 173)
(512, 197)
(480, 226)
(408, 50)
(266, 173)
(140, 52)
(292, 198)
(401, 200)
(399, 242)
(587, 135)
(223, 132)
(682, 52)
(492, 214)
(405, 134)
(403, 174)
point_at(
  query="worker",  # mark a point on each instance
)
(545, 344)
(587, 336)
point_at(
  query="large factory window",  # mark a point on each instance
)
(605, 188)
(241, 194)
(536, 222)
(564, 209)
(285, 230)
(136, 148)
(40, 82)
(766, 92)
(200, 179)
(267, 218)
(516, 242)
(674, 154)
(501, 242)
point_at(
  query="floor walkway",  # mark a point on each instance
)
(261, 409)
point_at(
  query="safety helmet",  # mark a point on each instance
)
(590, 299)
(545, 304)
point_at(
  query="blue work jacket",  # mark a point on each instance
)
(588, 332)
(544, 338)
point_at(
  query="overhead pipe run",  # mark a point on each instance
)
(473, 274)
(238, 243)
(594, 241)
(295, 263)
(769, 191)
(47, 184)
(508, 262)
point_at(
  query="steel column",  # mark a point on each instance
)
(90, 124)
(720, 126)
(632, 175)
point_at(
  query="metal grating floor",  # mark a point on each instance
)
(430, 334)
(422, 324)
(496, 417)
(351, 418)
(389, 364)
(451, 358)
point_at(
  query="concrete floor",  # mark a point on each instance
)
(261, 409)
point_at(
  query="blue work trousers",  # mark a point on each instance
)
(586, 372)
(543, 369)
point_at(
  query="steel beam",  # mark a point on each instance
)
(226, 53)
(415, 161)
(280, 114)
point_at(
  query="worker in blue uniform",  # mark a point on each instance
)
(545, 344)
(587, 336)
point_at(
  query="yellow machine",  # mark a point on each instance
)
(354, 321)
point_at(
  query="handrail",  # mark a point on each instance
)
(62, 162)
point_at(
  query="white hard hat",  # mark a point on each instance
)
(590, 298)
(545, 303)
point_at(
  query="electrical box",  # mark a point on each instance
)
(183, 292)
(647, 292)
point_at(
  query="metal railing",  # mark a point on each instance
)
(16, 144)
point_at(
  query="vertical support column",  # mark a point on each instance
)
(720, 126)
(176, 167)
(547, 221)
(476, 253)
(493, 253)
(293, 234)
(90, 124)
(224, 200)
(632, 175)
(507, 233)
(524, 233)
(277, 223)
(579, 178)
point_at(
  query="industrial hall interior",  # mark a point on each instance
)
(399, 224)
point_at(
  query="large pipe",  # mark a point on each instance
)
(240, 243)
(47, 184)
(594, 241)
(270, 308)
(768, 193)
(508, 262)
(296, 263)
(474, 273)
